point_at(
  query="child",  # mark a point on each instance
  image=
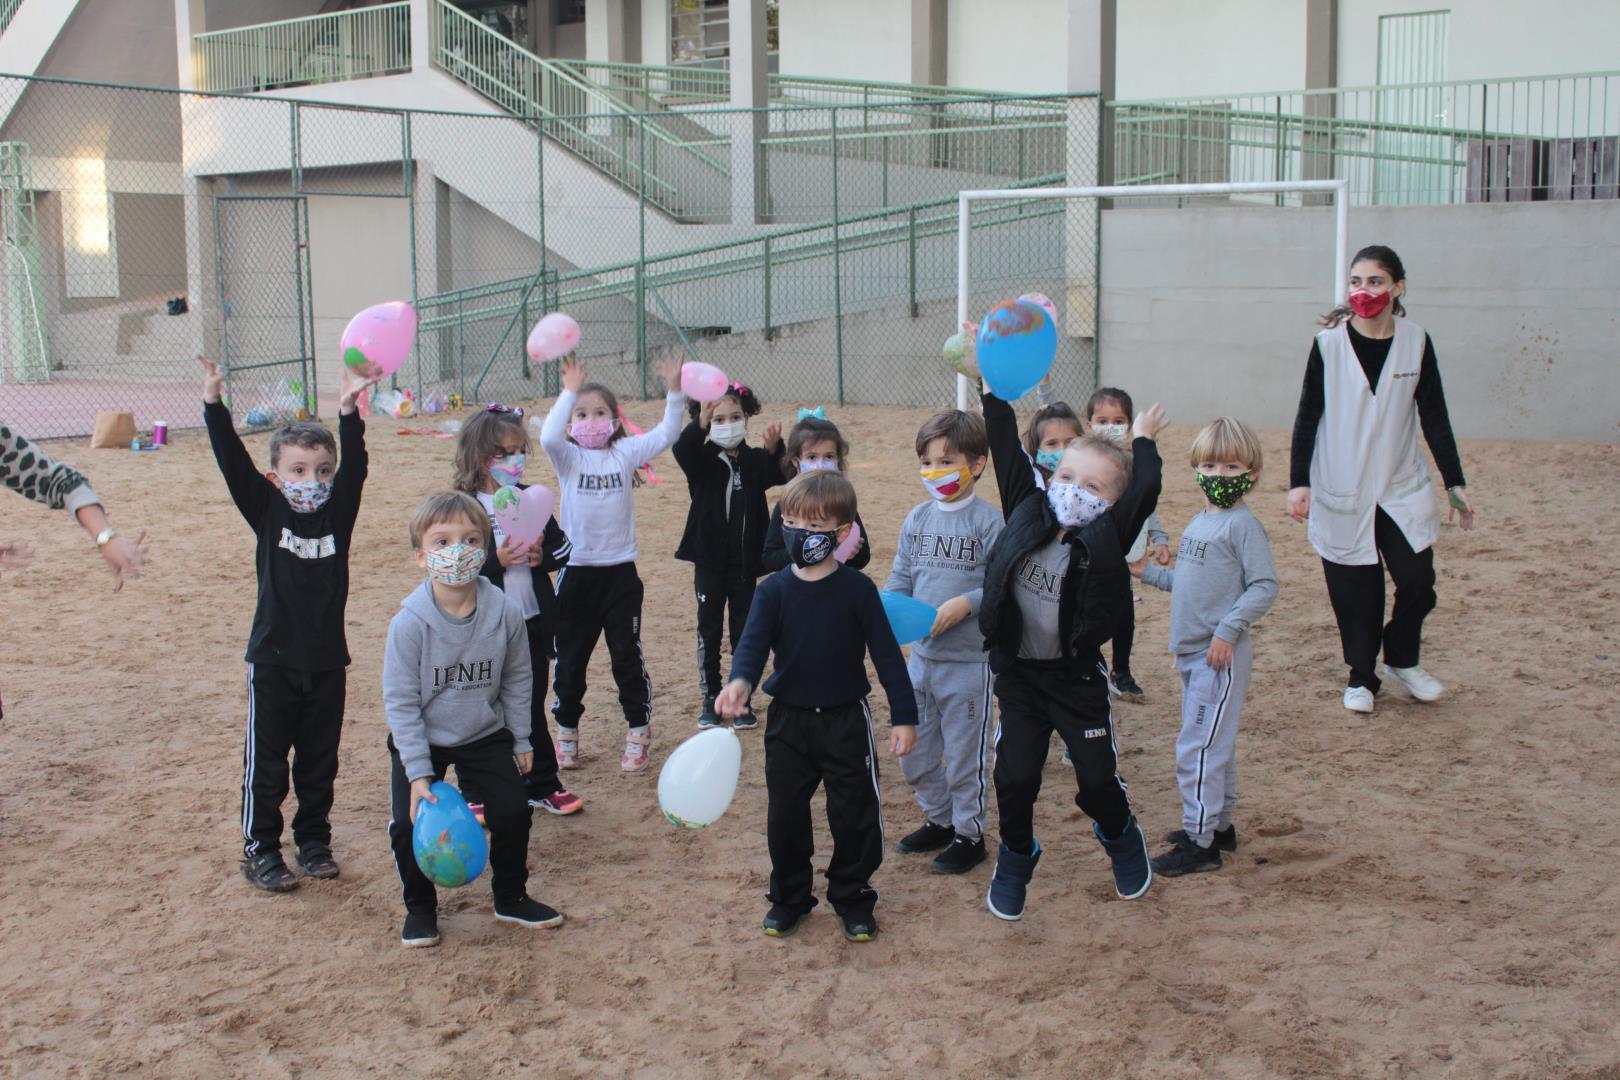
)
(600, 593)
(492, 452)
(303, 513)
(813, 444)
(1053, 586)
(456, 685)
(725, 527)
(1053, 427)
(940, 561)
(820, 619)
(1224, 580)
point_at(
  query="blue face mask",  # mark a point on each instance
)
(508, 470)
(1048, 459)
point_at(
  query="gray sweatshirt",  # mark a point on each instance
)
(447, 682)
(1223, 581)
(942, 553)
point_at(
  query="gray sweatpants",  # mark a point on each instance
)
(1206, 750)
(947, 769)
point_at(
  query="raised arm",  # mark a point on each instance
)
(249, 489)
(353, 465)
(554, 432)
(689, 449)
(1015, 473)
(644, 447)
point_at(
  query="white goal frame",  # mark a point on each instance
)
(1338, 189)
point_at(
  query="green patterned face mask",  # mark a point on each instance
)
(1223, 492)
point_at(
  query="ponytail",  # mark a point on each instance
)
(1390, 263)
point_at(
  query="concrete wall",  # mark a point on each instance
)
(1213, 311)
(229, 14)
(1169, 48)
(846, 39)
(1017, 47)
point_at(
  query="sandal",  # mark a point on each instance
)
(269, 872)
(315, 859)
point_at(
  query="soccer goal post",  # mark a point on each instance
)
(1338, 189)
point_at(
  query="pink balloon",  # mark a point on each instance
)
(703, 382)
(379, 339)
(554, 336)
(851, 544)
(1044, 302)
(522, 514)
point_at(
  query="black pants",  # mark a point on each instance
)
(1038, 697)
(805, 748)
(298, 713)
(595, 602)
(486, 764)
(1125, 633)
(542, 779)
(716, 591)
(1357, 593)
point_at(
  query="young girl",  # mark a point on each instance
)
(600, 593)
(491, 453)
(813, 444)
(725, 527)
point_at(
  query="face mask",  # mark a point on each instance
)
(306, 496)
(1114, 432)
(1048, 459)
(1074, 506)
(1223, 492)
(812, 466)
(455, 564)
(808, 548)
(1369, 305)
(728, 435)
(592, 434)
(944, 484)
(507, 471)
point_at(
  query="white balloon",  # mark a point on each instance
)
(700, 777)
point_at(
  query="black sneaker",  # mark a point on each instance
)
(269, 872)
(781, 921)
(708, 718)
(526, 911)
(421, 930)
(930, 837)
(1187, 858)
(1225, 839)
(959, 856)
(748, 721)
(859, 927)
(1125, 687)
(315, 860)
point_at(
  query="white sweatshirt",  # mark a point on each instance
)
(598, 513)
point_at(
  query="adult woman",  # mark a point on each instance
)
(1359, 478)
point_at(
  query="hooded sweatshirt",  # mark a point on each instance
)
(448, 682)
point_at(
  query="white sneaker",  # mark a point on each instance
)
(1419, 683)
(1358, 699)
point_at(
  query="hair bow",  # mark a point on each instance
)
(819, 413)
(497, 407)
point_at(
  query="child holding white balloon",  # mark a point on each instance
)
(491, 453)
(599, 593)
(814, 443)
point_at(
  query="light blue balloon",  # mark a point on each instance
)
(909, 618)
(449, 843)
(1017, 344)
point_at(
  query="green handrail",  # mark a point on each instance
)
(358, 44)
(8, 8)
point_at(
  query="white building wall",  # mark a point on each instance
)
(847, 39)
(1170, 48)
(1019, 47)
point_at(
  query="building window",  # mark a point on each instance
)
(700, 32)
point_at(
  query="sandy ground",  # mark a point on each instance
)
(1429, 891)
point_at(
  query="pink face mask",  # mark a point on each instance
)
(592, 434)
(1369, 305)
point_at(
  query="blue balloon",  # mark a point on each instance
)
(449, 843)
(1017, 344)
(909, 618)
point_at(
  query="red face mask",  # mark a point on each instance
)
(1369, 305)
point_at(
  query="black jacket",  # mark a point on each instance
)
(555, 547)
(775, 555)
(710, 472)
(1096, 583)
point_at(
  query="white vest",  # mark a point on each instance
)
(1367, 455)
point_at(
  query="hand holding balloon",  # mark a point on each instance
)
(421, 791)
(354, 384)
(733, 700)
(951, 612)
(379, 339)
(573, 375)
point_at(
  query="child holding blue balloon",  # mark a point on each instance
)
(456, 687)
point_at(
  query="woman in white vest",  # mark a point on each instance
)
(1359, 478)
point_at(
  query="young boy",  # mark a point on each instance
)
(940, 560)
(820, 618)
(303, 512)
(1052, 589)
(1223, 581)
(456, 685)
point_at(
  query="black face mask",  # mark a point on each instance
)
(807, 548)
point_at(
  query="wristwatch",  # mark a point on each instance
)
(105, 536)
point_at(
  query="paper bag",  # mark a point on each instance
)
(113, 430)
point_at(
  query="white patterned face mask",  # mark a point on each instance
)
(306, 496)
(1074, 506)
(1113, 432)
(455, 564)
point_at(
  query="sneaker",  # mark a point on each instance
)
(781, 921)
(421, 930)
(269, 872)
(567, 748)
(708, 718)
(1187, 858)
(1133, 873)
(930, 837)
(1358, 699)
(561, 802)
(637, 745)
(1125, 688)
(859, 927)
(526, 911)
(477, 809)
(315, 860)
(746, 722)
(1225, 839)
(1010, 882)
(1419, 683)
(959, 856)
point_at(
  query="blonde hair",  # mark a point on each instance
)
(479, 442)
(448, 506)
(1227, 439)
(820, 494)
(1116, 454)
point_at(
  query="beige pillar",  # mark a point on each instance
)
(1321, 71)
(928, 42)
(749, 90)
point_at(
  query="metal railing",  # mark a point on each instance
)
(8, 9)
(358, 44)
(1519, 139)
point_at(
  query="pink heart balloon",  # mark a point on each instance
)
(379, 339)
(851, 544)
(522, 514)
(703, 382)
(554, 336)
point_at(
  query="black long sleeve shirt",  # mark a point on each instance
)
(1431, 407)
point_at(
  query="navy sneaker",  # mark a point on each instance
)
(746, 722)
(1133, 872)
(708, 718)
(1225, 839)
(1010, 881)
(781, 921)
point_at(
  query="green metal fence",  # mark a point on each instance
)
(8, 9)
(344, 45)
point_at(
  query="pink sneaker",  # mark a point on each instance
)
(637, 746)
(567, 748)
